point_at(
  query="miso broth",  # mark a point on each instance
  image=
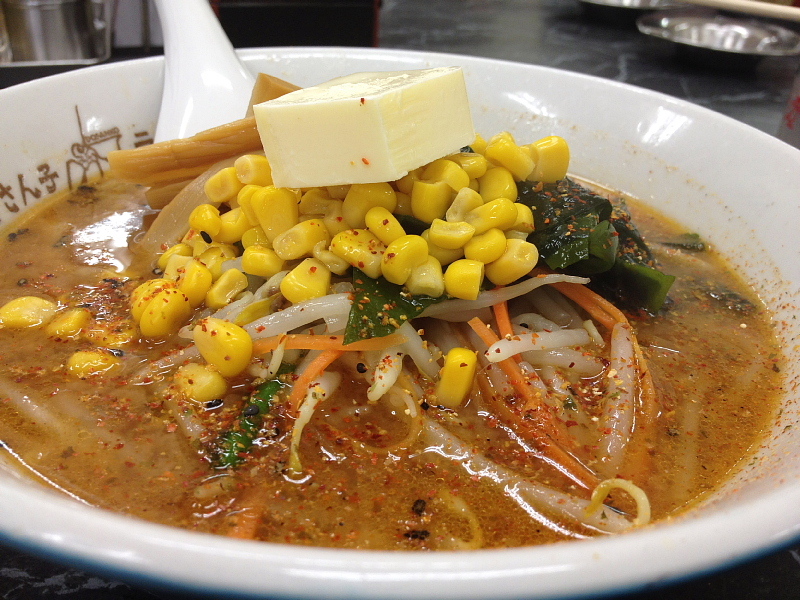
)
(374, 474)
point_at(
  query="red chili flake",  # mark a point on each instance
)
(385, 222)
(463, 365)
(361, 264)
(363, 100)
(313, 269)
(365, 161)
(391, 255)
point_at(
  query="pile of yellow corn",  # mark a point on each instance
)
(476, 230)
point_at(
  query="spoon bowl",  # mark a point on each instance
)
(205, 83)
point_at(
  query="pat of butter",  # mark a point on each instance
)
(366, 127)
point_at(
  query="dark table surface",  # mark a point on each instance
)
(555, 33)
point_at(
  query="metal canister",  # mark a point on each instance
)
(5, 44)
(49, 30)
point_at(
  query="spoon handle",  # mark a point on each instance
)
(205, 83)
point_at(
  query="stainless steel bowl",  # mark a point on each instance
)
(624, 12)
(718, 40)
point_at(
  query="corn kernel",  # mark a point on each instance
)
(497, 183)
(486, 247)
(200, 383)
(430, 201)
(230, 284)
(175, 266)
(466, 199)
(255, 236)
(401, 256)
(551, 156)
(524, 221)
(223, 185)
(517, 260)
(253, 169)
(383, 224)
(479, 144)
(205, 217)
(196, 241)
(144, 293)
(255, 310)
(403, 204)
(406, 183)
(86, 363)
(233, 224)
(315, 201)
(215, 255)
(195, 281)
(426, 279)
(463, 279)
(300, 240)
(456, 377)
(244, 200)
(444, 255)
(224, 345)
(512, 234)
(500, 214)
(69, 323)
(364, 196)
(180, 248)
(310, 279)
(111, 334)
(261, 261)
(338, 192)
(448, 171)
(167, 311)
(361, 249)
(504, 152)
(329, 259)
(276, 210)
(474, 164)
(333, 219)
(27, 311)
(450, 235)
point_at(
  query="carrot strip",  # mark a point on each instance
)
(503, 321)
(509, 367)
(314, 370)
(304, 341)
(587, 301)
(551, 452)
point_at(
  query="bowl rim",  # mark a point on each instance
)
(130, 549)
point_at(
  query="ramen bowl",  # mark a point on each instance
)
(728, 182)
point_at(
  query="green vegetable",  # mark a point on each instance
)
(565, 217)
(251, 421)
(412, 225)
(691, 242)
(579, 232)
(380, 308)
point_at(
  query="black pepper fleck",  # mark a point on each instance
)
(419, 506)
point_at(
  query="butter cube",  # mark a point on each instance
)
(365, 128)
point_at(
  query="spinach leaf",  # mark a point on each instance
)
(579, 232)
(690, 242)
(250, 423)
(380, 307)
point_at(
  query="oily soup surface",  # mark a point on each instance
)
(124, 443)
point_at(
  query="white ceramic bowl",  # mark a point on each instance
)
(732, 184)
